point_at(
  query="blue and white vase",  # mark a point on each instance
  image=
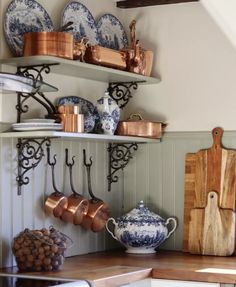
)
(108, 115)
(140, 230)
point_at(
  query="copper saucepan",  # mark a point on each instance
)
(57, 201)
(77, 205)
(98, 211)
(137, 126)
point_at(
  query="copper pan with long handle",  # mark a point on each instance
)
(77, 205)
(98, 211)
(56, 202)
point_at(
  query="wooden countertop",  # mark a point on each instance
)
(113, 268)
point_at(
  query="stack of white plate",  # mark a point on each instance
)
(37, 124)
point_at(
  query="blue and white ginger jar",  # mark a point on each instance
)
(140, 230)
(108, 115)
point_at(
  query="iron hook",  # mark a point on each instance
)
(85, 160)
(52, 164)
(70, 165)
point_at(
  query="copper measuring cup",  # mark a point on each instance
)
(77, 205)
(57, 201)
(98, 211)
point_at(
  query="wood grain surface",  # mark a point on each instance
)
(211, 230)
(117, 267)
(210, 170)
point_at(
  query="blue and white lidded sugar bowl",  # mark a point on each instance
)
(108, 114)
(141, 230)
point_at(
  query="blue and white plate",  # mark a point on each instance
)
(83, 22)
(23, 16)
(111, 32)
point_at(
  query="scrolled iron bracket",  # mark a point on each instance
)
(121, 92)
(30, 153)
(36, 74)
(119, 157)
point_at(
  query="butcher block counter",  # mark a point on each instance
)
(114, 268)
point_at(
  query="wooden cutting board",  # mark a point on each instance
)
(207, 171)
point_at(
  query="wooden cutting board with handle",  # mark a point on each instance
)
(210, 188)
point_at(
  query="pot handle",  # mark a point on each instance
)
(114, 222)
(174, 227)
(135, 116)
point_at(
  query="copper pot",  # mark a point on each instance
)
(98, 211)
(72, 123)
(68, 109)
(59, 44)
(55, 204)
(76, 209)
(97, 215)
(77, 205)
(137, 126)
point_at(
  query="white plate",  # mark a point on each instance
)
(83, 22)
(38, 121)
(36, 126)
(111, 32)
(23, 16)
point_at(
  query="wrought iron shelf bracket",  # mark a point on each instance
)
(30, 153)
(119, 157)
(122, 92)
(36, 74)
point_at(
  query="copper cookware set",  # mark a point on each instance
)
(76, 209)
(61, 44)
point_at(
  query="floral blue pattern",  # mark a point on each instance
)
(23, 16)
(140, 230)
(111, 32)
(83, 22)
(108, 115)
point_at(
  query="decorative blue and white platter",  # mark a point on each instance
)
(23, 16)
(111, 32)
(83, 22)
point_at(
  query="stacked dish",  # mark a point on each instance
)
(37, 124)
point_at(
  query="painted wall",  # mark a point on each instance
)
(224, 14)
(196, 62)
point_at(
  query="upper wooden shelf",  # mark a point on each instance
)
(142, 3)
(80, 69)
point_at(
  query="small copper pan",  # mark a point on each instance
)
(98, 211)
(57, 201)
(77, 205)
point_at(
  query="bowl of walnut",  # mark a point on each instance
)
(40, 250)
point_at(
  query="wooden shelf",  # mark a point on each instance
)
(143, 3)
(77, 136)
(80, 70)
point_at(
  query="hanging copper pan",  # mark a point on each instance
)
(98, 211)
(77, 205)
